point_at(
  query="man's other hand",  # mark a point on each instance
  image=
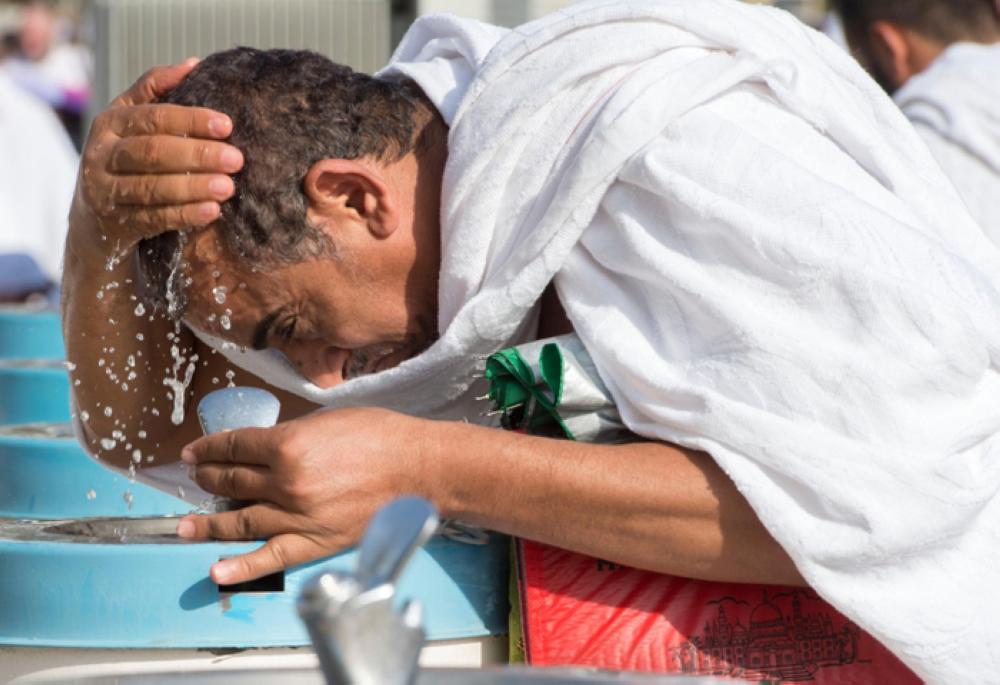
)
(315, 482)
(147, 168)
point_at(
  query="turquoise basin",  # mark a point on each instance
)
(44, 474)
(30, 333)
(131, 583)
(33, 390)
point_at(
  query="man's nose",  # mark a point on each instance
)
(322, 364)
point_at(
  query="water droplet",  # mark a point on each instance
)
(108, 411)
(136, 456)
(70, 366)
(215, 380)
(108, 443)
(85, 416)
(219, 293)
(128, 499)
(100, 294)
(140, 310)
(180, 491)
(139, 337)
(225, 322)
(91, 494)
(142, 434)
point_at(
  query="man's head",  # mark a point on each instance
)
(329, 249)
(897, 39)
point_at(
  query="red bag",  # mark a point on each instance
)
(577, 610)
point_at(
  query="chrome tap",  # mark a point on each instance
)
(359, 636)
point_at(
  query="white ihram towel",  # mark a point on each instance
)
(763, 261)
(955, 106)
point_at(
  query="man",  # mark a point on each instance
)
(940, 59)
(778, 286)
(37, 171)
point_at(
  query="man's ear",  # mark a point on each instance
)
(353, 190)
(891, 51)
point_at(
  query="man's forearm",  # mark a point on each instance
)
(648, 505)
(117, 355)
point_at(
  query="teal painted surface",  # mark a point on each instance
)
(26, 334)
(33, 395)
(50, 478)
(160, 596)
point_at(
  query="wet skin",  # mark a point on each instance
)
(316, 479)
(330, 316)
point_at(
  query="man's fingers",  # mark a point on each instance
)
(170, 189)
(166, 154)
(256, 522)
(280, 552)
(166, 119)
(257, 446)
(235, 481)
(156, 83)
(152, 221)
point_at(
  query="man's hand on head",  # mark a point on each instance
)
(147, 168)
(315, 482)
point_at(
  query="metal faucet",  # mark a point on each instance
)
(359, 636)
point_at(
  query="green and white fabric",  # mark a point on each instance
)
(551, 387)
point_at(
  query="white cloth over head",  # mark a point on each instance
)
(764, 262)
(38, 167)
(955, 106)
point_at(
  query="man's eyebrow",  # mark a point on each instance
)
(262, 330)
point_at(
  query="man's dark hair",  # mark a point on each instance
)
(290, 109)
(946, 21)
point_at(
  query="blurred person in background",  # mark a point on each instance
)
(37, 173)
(940, 60)
(49, 65)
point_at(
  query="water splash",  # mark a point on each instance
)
(176, 383)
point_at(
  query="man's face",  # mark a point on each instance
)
(335, 318)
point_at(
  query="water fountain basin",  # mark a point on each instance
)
(33, 390)
(30, 332)
(45, 474)
(131, 583)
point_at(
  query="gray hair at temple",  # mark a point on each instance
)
(290, 109)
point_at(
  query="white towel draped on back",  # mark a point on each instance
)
(955, 106)
(765, 263)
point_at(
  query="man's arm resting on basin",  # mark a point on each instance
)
(318, 480)
(648, 505)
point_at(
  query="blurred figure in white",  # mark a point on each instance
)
(940, 60)
(38, 167)
(50, 66)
